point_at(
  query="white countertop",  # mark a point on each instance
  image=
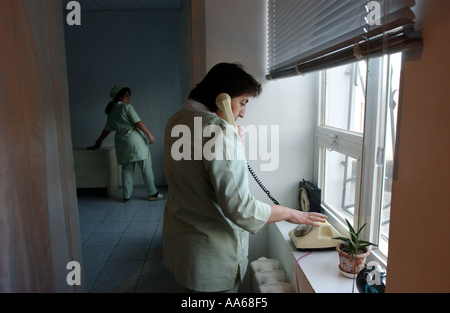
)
(320, 267)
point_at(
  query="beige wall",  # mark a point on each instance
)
(419, 235)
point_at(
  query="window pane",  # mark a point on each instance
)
(344, 97)
(340, 174)
(391, 127)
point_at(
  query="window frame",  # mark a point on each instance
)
(370, 188)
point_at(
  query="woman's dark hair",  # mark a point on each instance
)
(230, 78)
(117, 98)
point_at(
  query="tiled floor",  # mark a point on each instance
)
(122, 243)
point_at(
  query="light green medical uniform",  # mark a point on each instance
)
(131, 147)
(209, 210)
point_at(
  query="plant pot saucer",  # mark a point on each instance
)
(348, 275)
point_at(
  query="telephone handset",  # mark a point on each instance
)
(223, 102)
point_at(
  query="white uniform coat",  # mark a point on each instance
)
(209, 210)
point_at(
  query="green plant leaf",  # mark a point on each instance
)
(347, 250)
(362, 247)
(354, 237)
(342, 238)
(359, 231)
(352, 245)
(350, 228)
(366, 243)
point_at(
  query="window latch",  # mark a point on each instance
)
(333, 143)
(380, 157)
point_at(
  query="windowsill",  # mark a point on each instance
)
(320, 268)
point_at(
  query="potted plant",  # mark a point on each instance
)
(353, 252)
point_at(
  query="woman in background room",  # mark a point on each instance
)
(131, 146)
(210, 210)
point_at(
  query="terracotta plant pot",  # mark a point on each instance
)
(347, 263)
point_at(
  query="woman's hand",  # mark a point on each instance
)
(308, 218)
(97, 145)
(99, 141)
(280, 213)
(152, 139)
(141, 126)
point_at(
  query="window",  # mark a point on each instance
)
(356, 182)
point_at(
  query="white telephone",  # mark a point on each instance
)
(223, 102)
(306, 237)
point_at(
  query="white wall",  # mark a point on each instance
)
(236, 32)
(136, 49)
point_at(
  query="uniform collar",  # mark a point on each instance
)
(197, 106)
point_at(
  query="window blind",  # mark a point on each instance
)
(310, 35)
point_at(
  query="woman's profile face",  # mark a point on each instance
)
(239, 106)
(125, 98)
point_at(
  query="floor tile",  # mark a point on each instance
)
(112, 227)
(137, 238)
(84, 238)
(121, 270)
(146, 226)
(129, 253)
(157, 238)
(97, 253)
(121, 214)
(104, 239)
(121, 286)
(122, 243)
(88, 227)
(155, 270)
(94, 216)
(91, 271)
(157, 286)
(155, 252)
(146, 215)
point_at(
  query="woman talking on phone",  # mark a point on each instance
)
(210, 210)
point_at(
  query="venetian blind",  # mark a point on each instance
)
(310, 35)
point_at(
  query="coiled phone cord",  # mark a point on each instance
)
(261, 185)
